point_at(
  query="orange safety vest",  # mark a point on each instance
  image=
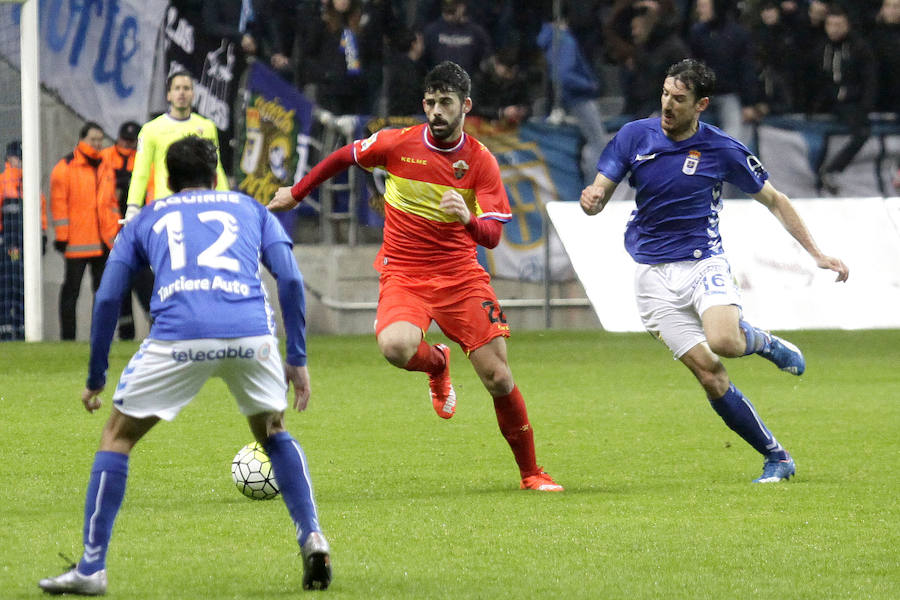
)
(11, 188)
(78, 217)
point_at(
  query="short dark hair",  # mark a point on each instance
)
(191, 162)
(86, 128)
(448, 77)
(836, 9)
(14, 148)
(179, 73)
(695, 75)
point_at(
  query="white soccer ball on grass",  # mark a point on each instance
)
(252, 473)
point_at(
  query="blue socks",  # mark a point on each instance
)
(292, 474)
(105, 492)
(756, 338)
(739, 414)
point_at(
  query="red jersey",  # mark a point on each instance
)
(418, 235)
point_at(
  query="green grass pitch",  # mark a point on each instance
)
(658, 500)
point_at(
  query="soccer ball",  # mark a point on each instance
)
(252, 473)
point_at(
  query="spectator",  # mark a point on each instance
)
(886, 44)
(617, 30)
(283, 17)
(847, 89)
(455, 38)
(774, 43)
(12, 272)
(377, 20)
(724, 45)
(656, 47)
(406, 74)
(332, 58)
(810, 28)
(499, 91)
(242, 22)
(83, 233)
(577, 86)
(114, 175)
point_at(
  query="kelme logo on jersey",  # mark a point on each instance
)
(691, 162)
(460, 168)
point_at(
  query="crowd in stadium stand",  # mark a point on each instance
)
(771, 57)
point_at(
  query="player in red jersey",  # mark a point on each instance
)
(443, 197)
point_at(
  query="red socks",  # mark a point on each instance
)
(427, 359)
(513, 421)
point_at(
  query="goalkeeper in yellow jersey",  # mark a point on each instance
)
(157, 135)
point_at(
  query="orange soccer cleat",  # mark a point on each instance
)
(443, 397)
(541, 482)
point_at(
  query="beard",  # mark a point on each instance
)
(442, 130)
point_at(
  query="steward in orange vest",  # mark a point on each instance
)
(83, 227)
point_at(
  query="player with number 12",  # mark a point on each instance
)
(211, 318)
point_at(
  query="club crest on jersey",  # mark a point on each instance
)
(691, 162)
(460, 168)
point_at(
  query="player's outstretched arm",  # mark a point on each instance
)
(595, 196)
(298, 377)
(287, 198)
(780, 206)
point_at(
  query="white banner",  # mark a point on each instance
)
(781, 286)
(96, 56)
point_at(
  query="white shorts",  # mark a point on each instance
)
(671, 297)
(164, 375)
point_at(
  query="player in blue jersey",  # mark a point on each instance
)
(211, 318)
(686, 294)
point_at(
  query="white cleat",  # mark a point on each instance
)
(73, 582)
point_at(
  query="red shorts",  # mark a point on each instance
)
(463, 305)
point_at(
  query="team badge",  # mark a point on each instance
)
(691, 162)
(460, 168)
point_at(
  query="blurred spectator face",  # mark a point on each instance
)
(341, 6)
(769, 15)
(128, 144)
(890, 11)
(640, 29)
(14, 161)
(94, 138)
(504, 71)
(837, 27)
(454, 12)
(706, 12)
(817, 12)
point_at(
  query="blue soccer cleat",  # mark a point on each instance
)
(777, 470)
(784, 354)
